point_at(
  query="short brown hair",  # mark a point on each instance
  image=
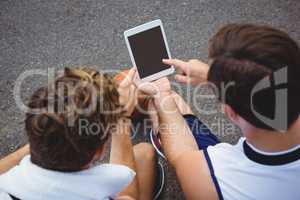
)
(54, 143)
(245, 54)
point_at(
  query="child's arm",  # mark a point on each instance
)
(121, 147)
(122, 154)
(13, 159)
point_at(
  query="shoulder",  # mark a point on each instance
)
(226, 152)
(199, 167)
(114, 169)
(116, 174)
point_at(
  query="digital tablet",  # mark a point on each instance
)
(147, 46)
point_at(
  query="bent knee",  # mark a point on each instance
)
(144, 151)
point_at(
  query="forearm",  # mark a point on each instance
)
(13, 159)
(175, 134)
(121, 147)
(122, 153)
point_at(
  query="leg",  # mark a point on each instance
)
(145, 159)
(202, 134)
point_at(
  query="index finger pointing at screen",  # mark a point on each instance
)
(178, 64)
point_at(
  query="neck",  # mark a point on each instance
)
(273, 141)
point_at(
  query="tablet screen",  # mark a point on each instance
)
(148, 49)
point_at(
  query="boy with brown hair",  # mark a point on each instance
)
(69, 124)
(255, 72)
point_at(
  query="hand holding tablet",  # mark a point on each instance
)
(147, 46)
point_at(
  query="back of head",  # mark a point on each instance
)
(70, 119)
(245, 54)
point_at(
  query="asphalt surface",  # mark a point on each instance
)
(41, 34)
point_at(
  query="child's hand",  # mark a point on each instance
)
(156, 88)
(128, 92)
(192, 72)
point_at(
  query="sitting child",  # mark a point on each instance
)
(69, 125)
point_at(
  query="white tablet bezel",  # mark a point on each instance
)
(145, 27)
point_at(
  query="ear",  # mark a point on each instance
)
(232, 115)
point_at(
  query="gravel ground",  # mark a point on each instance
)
(41, 34)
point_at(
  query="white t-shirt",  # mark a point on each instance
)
(242, 172)
(28, 181)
